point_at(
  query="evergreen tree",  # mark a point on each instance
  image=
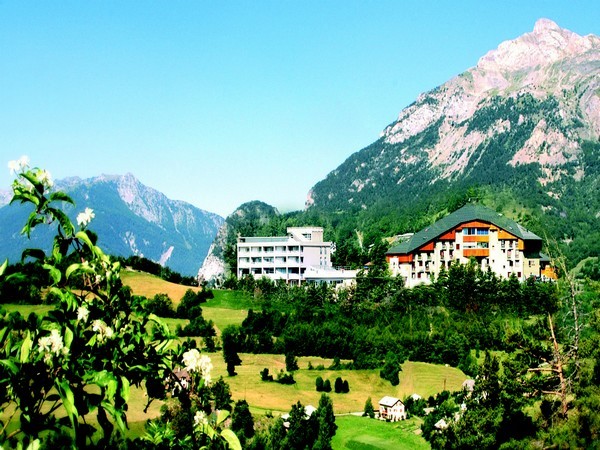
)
(291, 362)
(242, 422)
(319, 384)
(369, 410)
(230, 337)
(222, 394)
(326, 421)
(301, 433)
(338, 385)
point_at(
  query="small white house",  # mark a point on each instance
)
(392, 409)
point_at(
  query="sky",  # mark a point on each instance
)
(217, 103)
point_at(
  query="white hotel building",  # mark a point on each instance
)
(298, 257)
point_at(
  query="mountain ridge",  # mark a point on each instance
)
(547, 104)
(131, 219)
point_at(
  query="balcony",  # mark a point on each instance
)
(476, 252)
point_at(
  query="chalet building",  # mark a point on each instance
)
(472, 232)
(392, 409)
(286, 257)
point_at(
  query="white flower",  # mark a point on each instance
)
(19, 164)
(104, 331)
(45, 178)
(44, 344)
(200, 418)
(85, 217)
(83, 313)
(194, 362)
(56, 341)
(52, 344)
(13, 166)
(205, 366)
(191, 360)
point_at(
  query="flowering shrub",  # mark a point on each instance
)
(70, 371)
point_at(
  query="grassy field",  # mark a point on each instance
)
(142, 283)
(226, 308)
(361, 433)
(421, 378)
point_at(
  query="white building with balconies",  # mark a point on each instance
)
(283, 257)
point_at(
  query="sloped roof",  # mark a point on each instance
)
(389, 401)
(465, 214)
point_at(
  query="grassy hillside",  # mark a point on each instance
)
(361, 433)
(142, 283)
(421, 378)
(230, 307)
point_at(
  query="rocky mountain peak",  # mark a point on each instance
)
(545, 45)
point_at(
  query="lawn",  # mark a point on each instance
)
(361, 433)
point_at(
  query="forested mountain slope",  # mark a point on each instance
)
(519, 131)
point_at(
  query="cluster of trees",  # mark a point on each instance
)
(381, 323)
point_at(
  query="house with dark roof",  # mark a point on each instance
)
(392, 409)
(472, 232)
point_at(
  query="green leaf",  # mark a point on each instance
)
(68, 399)
(222, 415)
(54, 273)
(232, 439)
(68, 337)
(35, 253)
(3, 267)
(64, 220)
(82, 236)
(60, 197)
(34, 181)
(11, 366)
(26, 348)
(92, 341)
(125, 389)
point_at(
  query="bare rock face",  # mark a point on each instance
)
(549, 61)
(534, 100)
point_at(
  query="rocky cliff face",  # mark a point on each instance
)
(131, 219)
(534, 101)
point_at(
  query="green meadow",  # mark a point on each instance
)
(353, 433)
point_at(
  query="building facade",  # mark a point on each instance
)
(472, 232)
(283, 257)
(392, 409)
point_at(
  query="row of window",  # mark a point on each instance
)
(472, 231)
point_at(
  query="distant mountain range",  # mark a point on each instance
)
(130, 219)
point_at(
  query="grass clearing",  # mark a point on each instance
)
(232, 300)
(362, 433)
(142, 283)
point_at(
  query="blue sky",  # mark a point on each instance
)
(221, 102)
